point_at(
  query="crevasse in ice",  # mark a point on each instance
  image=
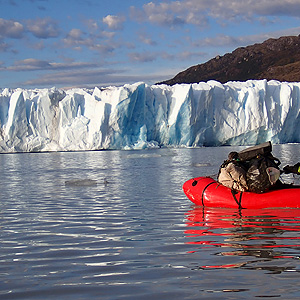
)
(140, 116)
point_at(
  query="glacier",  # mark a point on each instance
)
(138, 116)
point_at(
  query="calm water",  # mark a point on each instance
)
(116, 225)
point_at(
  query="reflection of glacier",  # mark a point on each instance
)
(139, 116)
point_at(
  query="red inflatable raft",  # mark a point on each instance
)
(205, 191)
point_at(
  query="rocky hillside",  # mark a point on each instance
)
(277, 59)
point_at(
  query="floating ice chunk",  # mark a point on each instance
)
(81, 182)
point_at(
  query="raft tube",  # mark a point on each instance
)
(206, 191)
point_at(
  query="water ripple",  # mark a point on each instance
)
(137, 237)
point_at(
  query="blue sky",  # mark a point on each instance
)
(87, 43)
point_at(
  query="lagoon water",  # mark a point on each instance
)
(116, 225)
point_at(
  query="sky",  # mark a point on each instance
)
(88, 43)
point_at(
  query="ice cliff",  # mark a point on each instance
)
(139, 116)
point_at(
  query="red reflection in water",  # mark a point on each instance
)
(260, 233)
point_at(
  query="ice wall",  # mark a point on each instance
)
(139, 116)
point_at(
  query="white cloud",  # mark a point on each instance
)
(170, 13)
(75, 34)
(11, 29)
(142, 57)
(162, 14)
(43, 28)
(77, 39)
(32, 64)
(146, 39)
(239, 41)
(100, 41)
(91, 24)
(114, 22)
(91, 78)
(219, 41)
(187, 55)
(3, 46)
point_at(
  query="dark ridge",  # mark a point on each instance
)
(277, 59)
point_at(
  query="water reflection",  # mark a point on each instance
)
(247, 239)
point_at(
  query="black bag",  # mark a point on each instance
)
(251, 152)
(258, 180)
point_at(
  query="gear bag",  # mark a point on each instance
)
(251, 152)
(261, 174)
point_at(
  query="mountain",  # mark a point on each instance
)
(277, 59)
